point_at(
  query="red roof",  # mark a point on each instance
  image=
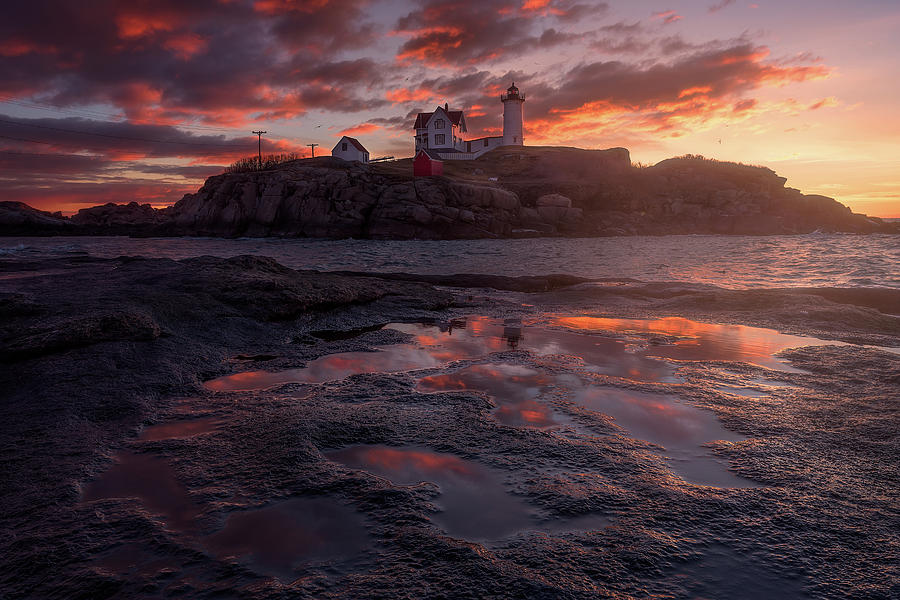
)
(455, 117)
(431, 154)
(356, 143)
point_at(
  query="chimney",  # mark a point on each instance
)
(446, 106)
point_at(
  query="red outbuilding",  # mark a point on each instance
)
(427, 162)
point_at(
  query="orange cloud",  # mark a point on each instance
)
(542, 7)
(360, 129)
(403, 95)
(185, 45)
(12, 47)
(698, 90)
(667, 16)
(134, 25)
(429, 42)
(274, 7)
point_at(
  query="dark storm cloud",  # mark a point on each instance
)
(574, 12)
(552, 37)
(74, 134)
(460, 32)
(690, 82)
(319, 25)
(721, 72)
(22, 163)
(165, 60)
(397, 123)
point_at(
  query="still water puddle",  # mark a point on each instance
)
(179, 429)
(435, 345)
(639, 350)
(601, 354)
(679, 428)
(473, 504)
(273, 540)
(285, 539)
(515, 388)
(332, 367)
(152, 481)
(439, 344)
(703, 341)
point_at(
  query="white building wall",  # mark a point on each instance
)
(482, 145)
(346, 150)
(452, 137)
(513, 120)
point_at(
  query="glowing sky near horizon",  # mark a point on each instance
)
(112, 101)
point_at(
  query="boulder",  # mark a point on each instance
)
(119, 215)
(559, 213)
(554, 200)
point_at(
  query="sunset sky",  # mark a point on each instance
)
(114, 101)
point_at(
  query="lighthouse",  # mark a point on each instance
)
(512, 116)
(441, 132)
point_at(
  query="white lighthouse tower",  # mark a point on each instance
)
(512, 116)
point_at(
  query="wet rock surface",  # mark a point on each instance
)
(323, 489)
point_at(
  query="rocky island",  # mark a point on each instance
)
(508, 192)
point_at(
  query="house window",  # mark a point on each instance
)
(440, 139)
(515, 139)
(439, 124)
(485, 142)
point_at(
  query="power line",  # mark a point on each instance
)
(259, 135)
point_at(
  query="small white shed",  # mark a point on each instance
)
(349, 148)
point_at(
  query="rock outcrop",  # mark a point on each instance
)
(17, 218)
(333, 198)
(509, 192)
(113, 216)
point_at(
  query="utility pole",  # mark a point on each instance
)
(259, 135)
(313, 146)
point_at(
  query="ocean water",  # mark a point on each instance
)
(738, 262)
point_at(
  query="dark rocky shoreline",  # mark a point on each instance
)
(96, 350)
(507, 193)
